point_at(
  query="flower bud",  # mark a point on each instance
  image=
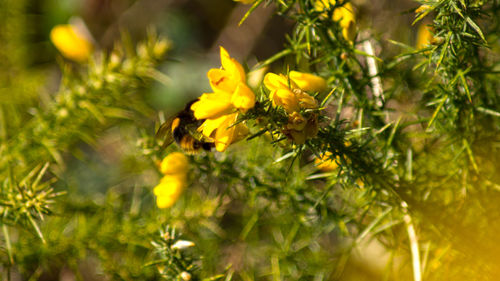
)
(185, 276)
(142, 50)
(182, 244)
(161, 48)
(71, 42)
(424, 36)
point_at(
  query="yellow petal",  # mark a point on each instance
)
(274, 82)
(232, 66)
(210, 125)
(224, 134)
(306, 100)
(349, 32)
(169, 185)
(360, 183)
(229, 76)
(344, 14)
(286, 99)
(212, 105)
(71, 43)
(296, 122)
(228, 136)
(308, 82)
(243, 98)
(424, 36)
(229, 133)
(326, 163)
(321, 5)
(174, 163)
(221, 81)
(166, 201)
(169, 190)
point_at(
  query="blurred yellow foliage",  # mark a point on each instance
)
(344, 15)
(424, 36)
(326, 163)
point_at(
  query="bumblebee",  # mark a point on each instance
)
(182, 128)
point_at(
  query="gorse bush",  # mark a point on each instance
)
(346, 155)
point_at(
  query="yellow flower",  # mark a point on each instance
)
(243, 98)
(273, 82)
(169, 190)
(360, 183)
(344, 15)
(298, 130)
(296, 122)
(228, 76)
(174, 163)
(326, 163)
(185, 276)
(287, 94)
(286, 99)
(229, 133)
(71, 43)
(290, 94)
(308, 82)
(174, 166)
(212, 105)
(424, 36)
(220, 109)
(223, 131)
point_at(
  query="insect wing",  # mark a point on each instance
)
(165, 132)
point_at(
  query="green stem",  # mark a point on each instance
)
(37, 229)
(7, 243)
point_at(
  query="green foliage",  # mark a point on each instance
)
(414, 132)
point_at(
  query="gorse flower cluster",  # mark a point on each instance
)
(232, 97)
(221, 108)
(290, 94)
(174, 168)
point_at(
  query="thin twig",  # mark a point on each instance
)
(378, 92)
(412, 236)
